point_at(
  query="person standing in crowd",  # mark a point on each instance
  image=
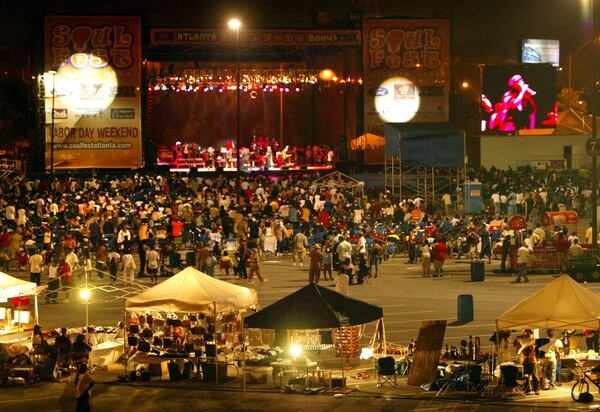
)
(113, 265)
(426, 259)
(562, 246)
(525, 346)
(66, 278)
(300, 245)
(551, 356)
(143, 251)
(575, 250)
(152, 262)
(375, 257)
(53, 282)
(73, 261)
(522, 260)
(440, 253)
(254, 266)
(327, 259)
(316, 259)
(128, 266)
(505, 252)
(36, 262)
(344, 252)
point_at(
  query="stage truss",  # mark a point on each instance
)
(429, 183)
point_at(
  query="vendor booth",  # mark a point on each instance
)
(562, 304)
(561, 309)
(191, 318)
(18, 308)
(329, 317)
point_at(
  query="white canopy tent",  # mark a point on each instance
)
(11, 287)
(193, 291)
(562, 304)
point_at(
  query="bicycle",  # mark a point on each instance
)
(585, 376)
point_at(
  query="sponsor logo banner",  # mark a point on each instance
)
(93, 69)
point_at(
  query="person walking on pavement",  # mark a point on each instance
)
(522, 259)
(300, 245)
(254, 266)
(153, 259)
(316, 258)
(426, 259)
(327, 259)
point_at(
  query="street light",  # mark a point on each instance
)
(53, 73)
(236, 24)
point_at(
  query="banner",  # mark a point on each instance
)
(92, 81)
(196, 37)
(406, 72)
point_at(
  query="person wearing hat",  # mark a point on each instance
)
(316, 260)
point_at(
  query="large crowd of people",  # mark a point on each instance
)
(129, 226)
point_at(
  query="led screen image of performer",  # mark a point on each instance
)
(517, 110)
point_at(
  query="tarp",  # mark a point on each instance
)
(338, 180)
(562, 304)
(193, 291)
(371, 146)
(314, 307)
(11, 287)
(426, 144)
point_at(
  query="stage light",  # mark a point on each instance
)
(295, 350)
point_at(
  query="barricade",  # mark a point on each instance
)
(541, 260)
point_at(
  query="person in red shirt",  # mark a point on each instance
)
(66, 277)
(176, 227)
(440, 253)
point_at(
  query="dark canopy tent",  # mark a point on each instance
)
(314, 307)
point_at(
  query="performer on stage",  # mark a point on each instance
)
(269, 158)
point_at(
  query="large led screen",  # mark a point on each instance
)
(518, 97)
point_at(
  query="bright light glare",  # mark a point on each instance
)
(326, 75)
(295, 350)
(234, 24)
(396, 100)
(366, 353)
(465, 85)
(85, 294)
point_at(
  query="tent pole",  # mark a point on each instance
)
(244, 357)
(215, 340)
(383, 338)
(125, 354)
(35, 307)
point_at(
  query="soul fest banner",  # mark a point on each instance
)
(94, 95)
(406, 65)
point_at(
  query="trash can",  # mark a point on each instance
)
(465, 308)
(477, 271)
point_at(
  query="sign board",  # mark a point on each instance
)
(592, 147)
(197, 37)
(424, 368)
(92, 91)
(406, 64)
(541, 51)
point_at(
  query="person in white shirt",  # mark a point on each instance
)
(128, 266)
(588, 234)
(496, 201)
(447, 199)
(152, 261)
(36, 262)
(73, 261)
(53, 282)
(426, 259)
(522, 259)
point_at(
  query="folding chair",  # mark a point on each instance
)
(509, 379)
(386, 371)
(474, 381)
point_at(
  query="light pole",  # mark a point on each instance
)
(236, 24)
(594, 157)
(53, 73)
